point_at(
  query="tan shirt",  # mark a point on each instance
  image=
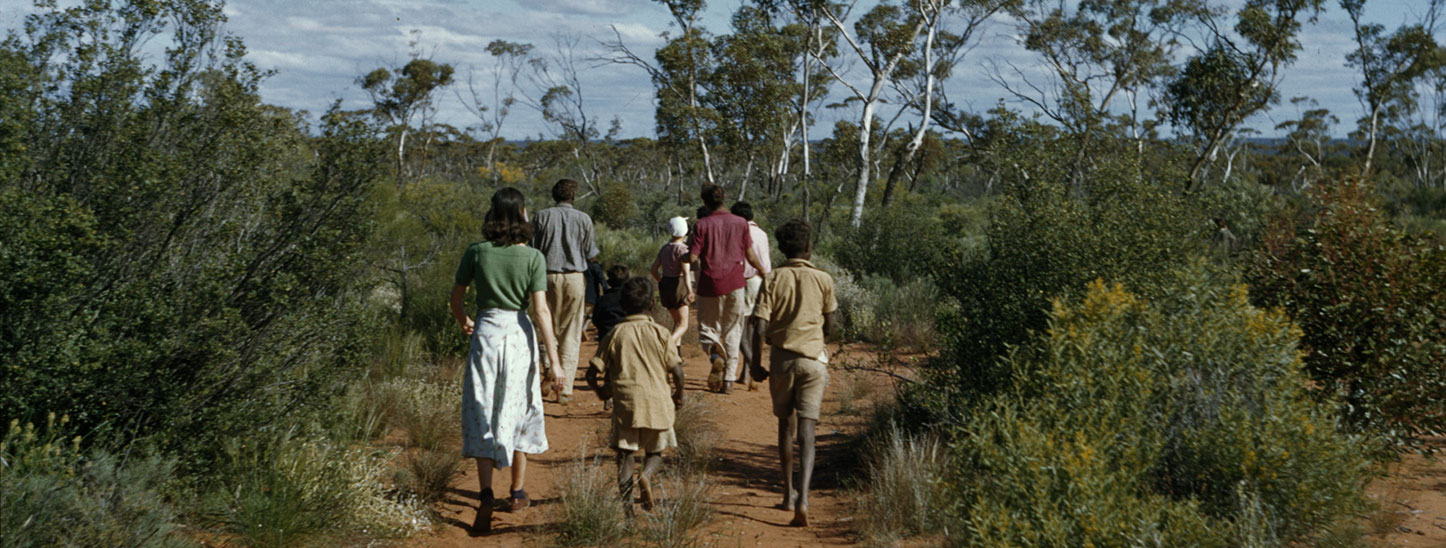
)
(794, 300)
(637, 361)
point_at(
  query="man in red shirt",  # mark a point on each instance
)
(721, 243)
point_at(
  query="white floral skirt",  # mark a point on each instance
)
(501, 389)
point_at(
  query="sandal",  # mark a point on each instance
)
(518, 500)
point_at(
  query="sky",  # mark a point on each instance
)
(319, 47)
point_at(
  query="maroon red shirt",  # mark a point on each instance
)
(721, 241)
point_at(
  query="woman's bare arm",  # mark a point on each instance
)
(459, 291)
(549, 340)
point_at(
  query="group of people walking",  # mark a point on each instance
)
(540, 266)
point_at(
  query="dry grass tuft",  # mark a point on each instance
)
(903, 476)
(696, 427)
(591, 513)
(428, 474)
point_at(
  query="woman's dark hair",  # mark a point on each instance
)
(793, 238)
(637, 295)
(505, 223)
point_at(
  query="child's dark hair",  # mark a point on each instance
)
(637, 295)
(713, 197)
(793, 237)
(702, 212)
(564, 190)
(617, 274)
(505, 223)
(742, 209)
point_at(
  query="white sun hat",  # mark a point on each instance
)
(678, 226)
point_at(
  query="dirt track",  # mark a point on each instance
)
(744, 476)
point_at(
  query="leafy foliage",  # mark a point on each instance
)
(1048, 237)
(178, 251)
(1182, 421)
(1372, 302)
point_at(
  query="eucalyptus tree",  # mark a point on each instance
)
(681, 66)
(1308, 136)
(557, 94)
(509, 60)
(1390, 66)
(1236, 75)
(402, 94)
(752, 90)
(881, 39)
(1098, 54)
(952, 30)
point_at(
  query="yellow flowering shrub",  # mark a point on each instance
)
(1179, 421)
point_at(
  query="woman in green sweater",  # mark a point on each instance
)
(502, 385)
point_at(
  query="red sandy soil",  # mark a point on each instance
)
(744, 477)
(1412, 499)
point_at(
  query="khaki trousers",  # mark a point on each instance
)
(566, 295)
(720, 327)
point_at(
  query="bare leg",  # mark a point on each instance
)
(519, 469)
(484, 474)
(805, 446)
(625, 479)
(651, 463)
(483, 522)
(680, 325)
(785, 456)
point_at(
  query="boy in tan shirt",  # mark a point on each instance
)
(795, 313)
(637, 360)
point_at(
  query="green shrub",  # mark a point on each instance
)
(879, 310)
(181, 259)
(1049, 236)
(1183, 421)
(52, 493)
(1371, 300)
(900, 243)
(635, 249)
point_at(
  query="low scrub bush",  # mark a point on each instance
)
(292, 490)
(1182, 421)
(1371, 300)
(879, 310)
(54, 493)
(1050, 235)
(635, 249)
(428, 414)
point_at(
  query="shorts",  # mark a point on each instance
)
(647, 440)
(797, 384)
(668, 293)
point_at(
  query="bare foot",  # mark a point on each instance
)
(800, 518)
(649, 500)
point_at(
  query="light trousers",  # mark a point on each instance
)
(566, 297)
(720, 327)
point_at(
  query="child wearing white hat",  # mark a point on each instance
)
(674, 276)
